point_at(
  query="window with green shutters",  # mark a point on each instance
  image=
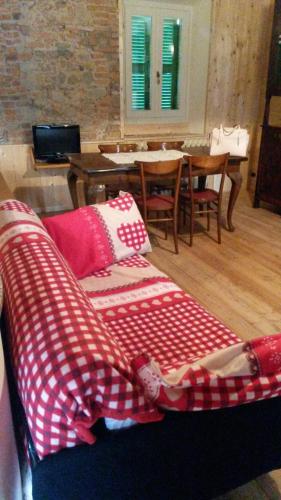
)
(141, 41)
(170, 63)
(156, 60)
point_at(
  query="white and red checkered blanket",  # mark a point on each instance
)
(121, 343)
(183, 356)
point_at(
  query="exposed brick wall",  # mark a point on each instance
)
(59, 63)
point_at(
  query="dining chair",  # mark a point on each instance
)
(117, 148)
(155, 146)
(160, 204)
(111, 190)
(206, 201)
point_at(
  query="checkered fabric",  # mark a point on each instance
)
(185, 358)
(199, 388)
(123, 203)
(143, 343)
(69, 370)
(18, 206)
(134, 261)
(124, 226)
(155, 317)
(132, 235)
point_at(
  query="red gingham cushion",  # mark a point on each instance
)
(69, 370)
(157, 202)
(204, 196)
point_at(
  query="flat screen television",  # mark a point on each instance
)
(53, 142)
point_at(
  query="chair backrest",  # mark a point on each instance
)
(155, 146)
(211, 165)
(117, 148)
(160, 170)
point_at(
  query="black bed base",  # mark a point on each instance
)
(190, 456)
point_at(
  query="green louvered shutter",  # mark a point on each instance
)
(141, 37)
(170, 63)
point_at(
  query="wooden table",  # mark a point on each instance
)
(91, 169)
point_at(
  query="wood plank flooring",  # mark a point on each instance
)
(238, 281)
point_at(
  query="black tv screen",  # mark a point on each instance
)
(54, 142)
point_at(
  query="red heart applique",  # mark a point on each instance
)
(134, 261)
(132, 235)
(123, 203)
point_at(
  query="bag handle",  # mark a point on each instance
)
(227, 132)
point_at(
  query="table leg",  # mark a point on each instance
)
(72, 181)
(236, 182)
(78, 190)
(82, 193)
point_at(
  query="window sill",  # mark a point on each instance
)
(155, 129)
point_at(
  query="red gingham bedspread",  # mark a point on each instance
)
(184, 357)
(142, 344)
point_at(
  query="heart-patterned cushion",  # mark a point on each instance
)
(124, 227)
(96, 236)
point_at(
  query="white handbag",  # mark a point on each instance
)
(233, 140)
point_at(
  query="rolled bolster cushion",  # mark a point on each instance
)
(70, 371)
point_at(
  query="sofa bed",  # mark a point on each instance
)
(128, 387)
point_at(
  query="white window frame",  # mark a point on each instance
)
(159, 11)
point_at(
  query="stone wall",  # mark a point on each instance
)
(59, 63)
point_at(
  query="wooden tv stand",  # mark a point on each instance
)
(42, 165)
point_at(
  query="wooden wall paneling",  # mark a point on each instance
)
(240, 41)
(5, 192)
(44, 191)
(239, 53)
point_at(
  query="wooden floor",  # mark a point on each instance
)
(238, 281)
